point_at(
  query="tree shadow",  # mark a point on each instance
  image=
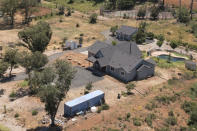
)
(45, 128)
(7, 79)
(9, 27)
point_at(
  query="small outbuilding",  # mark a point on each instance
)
(190, 65)
(71, 45)
(125, 33)
(83, 103)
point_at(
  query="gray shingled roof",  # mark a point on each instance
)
(97, 46)
(119, 56)
(128, 30)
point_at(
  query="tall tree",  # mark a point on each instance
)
(53, 91)
(27, 5)
(36, 38)
(32, 61)
(10, 58)
(191, 9)
(9, 7)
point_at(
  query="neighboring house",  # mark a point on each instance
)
(190, 65)
(84, 103)
(71, 45)
(123, 61)
(125, 33)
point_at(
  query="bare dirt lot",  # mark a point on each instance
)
(186, 3)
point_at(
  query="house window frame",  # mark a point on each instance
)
(112, 68)
(122, 73)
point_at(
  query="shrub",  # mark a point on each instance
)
(193, 90)
(89, 86)
(130, 87)
(34, 112)
(12, 94)
(171, 120)
(136, 122)
(188, 107)
(16, 115)
(194, 29)
(142, 12)
(149, 119)
(150, 106)
(103, 107)
(150, 35)
(171, 113)
(154, 13)
(183, 16)
(93, 18)
(165, 99)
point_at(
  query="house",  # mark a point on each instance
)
(71, 45)
(125, 33)
(190, 65)
(83, 103)
(122, 61)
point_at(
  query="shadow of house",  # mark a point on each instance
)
(125, 33)
(122, 61)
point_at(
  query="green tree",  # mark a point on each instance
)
(32, 61)
(69, 11)
(125, 4)
(9, 7)
(141, 13)
(10, 58)
(3, 68)
(36, 38)
(27, 6)
(93, 18)
(183, 16)
(113, 30)
(154, 13)
(53, 93)
(140, 36)
(173, 44)
(159, 43)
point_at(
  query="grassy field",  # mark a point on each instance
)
(79, 5)
(3, 128)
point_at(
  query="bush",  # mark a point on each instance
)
(154, 13)
(89, 86)
(194, 29)
(136, 122)
(160, 37)
(12, 94)
(103, 107)
(149, 119)
(150, 35)
(165, 99)
(16, 115)
(183, 16)
(193, 90)
(93, 18)
(141, 13)
(150, 106)
(189, 107)
(171, 120)
(34, 112)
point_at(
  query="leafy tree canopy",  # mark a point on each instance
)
(36, 38)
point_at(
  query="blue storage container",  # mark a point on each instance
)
(83, 103)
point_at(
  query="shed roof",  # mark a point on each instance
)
(128, 30)
(84, 98)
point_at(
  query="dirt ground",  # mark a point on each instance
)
(186, 3)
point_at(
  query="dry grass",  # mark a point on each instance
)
(184, 3)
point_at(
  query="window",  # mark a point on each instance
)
(122, 73)
(112, 68)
